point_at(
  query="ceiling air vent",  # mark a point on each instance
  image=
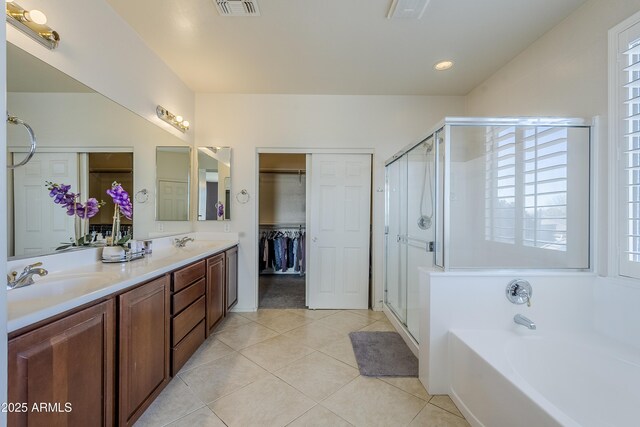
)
(237, 7)
(407, 9)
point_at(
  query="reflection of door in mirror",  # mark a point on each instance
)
(36, 225)
(40, 226)
(173, 169)
(214, 183)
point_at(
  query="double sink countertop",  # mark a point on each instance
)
(68, 288)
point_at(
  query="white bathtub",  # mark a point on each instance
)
(505, 378)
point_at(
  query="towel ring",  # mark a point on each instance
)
(242, 197)
(142, 196)
(32, 137)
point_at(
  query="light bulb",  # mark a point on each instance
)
(36, 17)
(185, 123)
(179, 119)
(443, 65)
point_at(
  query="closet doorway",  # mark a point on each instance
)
(314, 231)
(282, 231)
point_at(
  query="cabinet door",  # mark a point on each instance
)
(144, 347)
(232, 277)
(215, 290)
(68, 364)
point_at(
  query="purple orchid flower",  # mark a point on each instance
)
(64, 197)
(121, 199)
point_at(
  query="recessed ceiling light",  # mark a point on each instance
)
(443, 65)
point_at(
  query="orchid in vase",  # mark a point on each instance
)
(81, 212)
(122, 205)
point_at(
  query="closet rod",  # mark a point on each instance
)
(284, 171)
(282, 225)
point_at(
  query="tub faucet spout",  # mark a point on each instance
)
(521, 320)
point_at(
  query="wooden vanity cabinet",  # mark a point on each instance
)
(231, 268)
(188, 308)
(215, 290)
(144, 317)
(68, 363)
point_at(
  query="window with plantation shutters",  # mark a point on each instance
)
(500, 184)
(629, 151)
(526, 186)
(545, 188)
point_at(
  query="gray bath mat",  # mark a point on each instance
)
(383, 354)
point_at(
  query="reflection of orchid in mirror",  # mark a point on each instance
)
(122, 205)
(70, 201)
(81, 212)
(121, 199)
(220, 209)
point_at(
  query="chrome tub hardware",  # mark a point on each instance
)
(26, 277)
(521, 320)
(519, 292)
(181, 243)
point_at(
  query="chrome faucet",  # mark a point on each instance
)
(181, 243)
(521, 320)
(26, 278)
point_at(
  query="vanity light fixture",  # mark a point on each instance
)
(32, 23)
(443, 65)
(176, 121)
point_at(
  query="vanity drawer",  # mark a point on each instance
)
(184, 277)
(182, 299)
(183, 351)
(185, 321)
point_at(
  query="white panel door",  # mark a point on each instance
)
(41, 225)
(173, 200)
(340, 216)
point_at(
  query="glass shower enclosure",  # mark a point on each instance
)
(482, 193)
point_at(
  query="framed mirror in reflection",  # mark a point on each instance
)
(85, 141)
(173, 172)
(214, 183)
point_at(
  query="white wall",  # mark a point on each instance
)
(85, 120)
(616, 309)
(3, 228)
(246, 122)
(560, 302)
(563, 73)
(99, 49)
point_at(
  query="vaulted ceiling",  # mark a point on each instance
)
(340, 46)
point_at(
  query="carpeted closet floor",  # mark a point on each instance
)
(281, 291)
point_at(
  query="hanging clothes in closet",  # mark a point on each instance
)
(282, 251)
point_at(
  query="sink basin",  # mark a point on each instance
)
(200, 244)
(56, 285)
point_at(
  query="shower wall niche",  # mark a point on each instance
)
(480, 193)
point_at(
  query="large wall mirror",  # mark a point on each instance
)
(173, 172)
(214, 183)
(85, 140)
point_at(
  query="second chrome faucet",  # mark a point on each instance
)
(524, 321)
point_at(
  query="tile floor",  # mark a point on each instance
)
(293, 368)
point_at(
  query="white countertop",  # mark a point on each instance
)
(66, 289)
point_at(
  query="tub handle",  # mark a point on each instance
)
(519, 292)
